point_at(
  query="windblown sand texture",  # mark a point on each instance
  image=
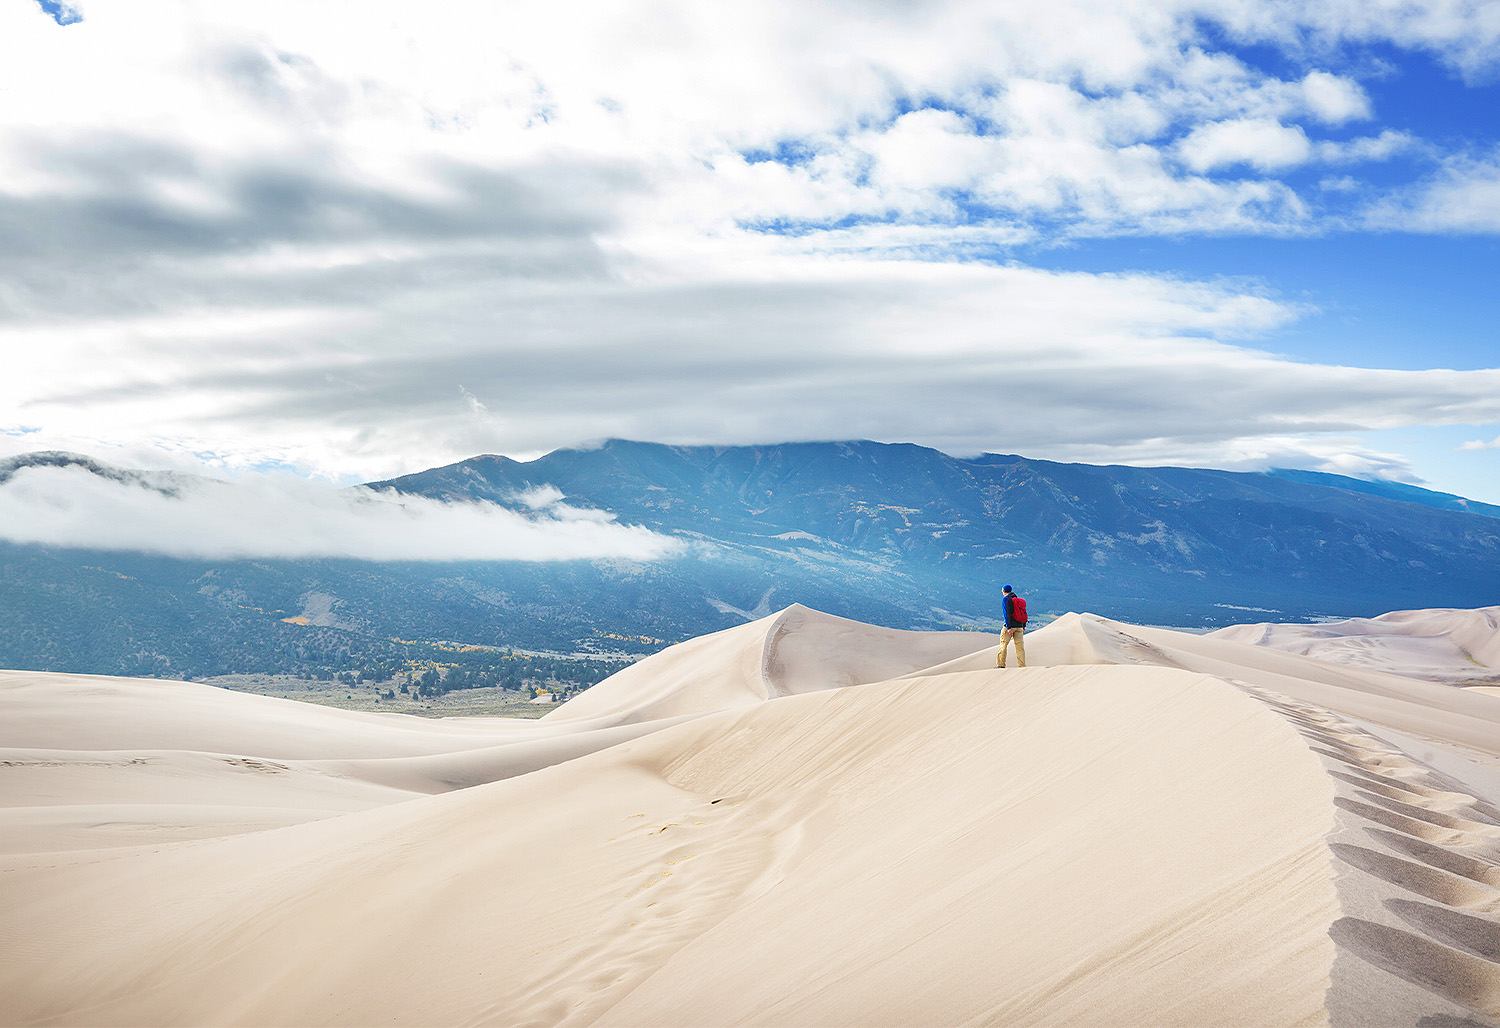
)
(800, 821)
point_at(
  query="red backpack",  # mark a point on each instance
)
(1017, 609)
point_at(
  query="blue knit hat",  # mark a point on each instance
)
(1008, 589)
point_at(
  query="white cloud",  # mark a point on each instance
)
(1462, 34)
(927, 150)
(1335, 454)
(285, 517)
(1259, 142)
(1464, 196)
(1480, 444)
(355, 238)
(1340, 184)
(761, 348)
(1366, 148)
(1334, 99)
(376, 94)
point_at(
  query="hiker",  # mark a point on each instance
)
(1015, 627)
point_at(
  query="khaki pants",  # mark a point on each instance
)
(1005, 638)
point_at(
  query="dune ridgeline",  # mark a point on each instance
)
(803, 820)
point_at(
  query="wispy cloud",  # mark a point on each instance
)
(286, 517)
(1463, 197)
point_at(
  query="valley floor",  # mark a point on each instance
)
(487, 701)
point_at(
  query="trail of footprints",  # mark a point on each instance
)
(1413, 827)
(680, 887)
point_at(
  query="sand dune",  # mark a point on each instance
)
(801, 821)
(1461, 647)
(794, 651)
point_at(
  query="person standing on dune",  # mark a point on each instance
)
(1014, 609)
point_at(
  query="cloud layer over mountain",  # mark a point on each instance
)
(283, 516)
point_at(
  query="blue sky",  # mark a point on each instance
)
(62, 13)
(1392, 297)
(352, 240)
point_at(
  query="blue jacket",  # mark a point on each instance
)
(1008, 608)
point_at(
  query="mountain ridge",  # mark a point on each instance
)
(1385, 488)
(894, 534)
(1098, 532)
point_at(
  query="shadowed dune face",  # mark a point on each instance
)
(1469, 981)
(1417, 860)
(1476, 936)
(803, 820)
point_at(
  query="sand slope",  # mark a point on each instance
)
(1461, 647)
(793, 651)
(800, 821)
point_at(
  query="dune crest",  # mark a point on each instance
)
(802, 820)
(794, 651)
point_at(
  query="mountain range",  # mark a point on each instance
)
(895, 534)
